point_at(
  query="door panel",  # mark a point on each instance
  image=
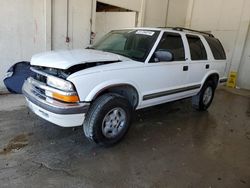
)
(198, 61)
(166, 81)
(163, 82)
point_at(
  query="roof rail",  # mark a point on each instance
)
(192, 30)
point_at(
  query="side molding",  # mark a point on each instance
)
(170, 92)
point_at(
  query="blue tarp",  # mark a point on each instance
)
(16, 75)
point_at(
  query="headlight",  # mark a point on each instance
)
(60, 83)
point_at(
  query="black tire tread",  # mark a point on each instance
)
(197, 102)
(89, 125)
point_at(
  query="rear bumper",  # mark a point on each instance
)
(59, 113)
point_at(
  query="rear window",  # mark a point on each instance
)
(197, 49)
(216, 48)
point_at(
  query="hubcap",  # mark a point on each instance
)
(207, 95)
(114, 122)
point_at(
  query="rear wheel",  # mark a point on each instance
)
(108, 119)
(204, 98)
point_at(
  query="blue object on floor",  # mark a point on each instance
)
(16, 75)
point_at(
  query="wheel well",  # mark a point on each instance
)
(215, 78)
(127, 91)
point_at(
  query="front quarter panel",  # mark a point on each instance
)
(89, 85)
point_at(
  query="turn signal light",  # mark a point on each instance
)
(73, 98)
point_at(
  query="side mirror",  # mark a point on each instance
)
(163, 55)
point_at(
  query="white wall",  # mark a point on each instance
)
(32, 26)
(22, 32)
(107, 21)
(79, 24)
(155, 13)
(222, 17)
(244, 70)
(176, 13)
(226, 19)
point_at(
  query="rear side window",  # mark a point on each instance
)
(197, 49)
(216, 48)
(173, 43)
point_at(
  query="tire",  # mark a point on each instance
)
(108, 119)
(204, 98)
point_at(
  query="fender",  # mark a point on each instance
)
(209, 73)
(109, 84)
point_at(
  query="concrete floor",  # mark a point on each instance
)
(167, 146)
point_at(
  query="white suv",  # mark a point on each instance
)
(100, 87)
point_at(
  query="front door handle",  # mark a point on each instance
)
(185, 68)
(207, 66)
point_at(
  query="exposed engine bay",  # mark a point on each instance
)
(61, 73)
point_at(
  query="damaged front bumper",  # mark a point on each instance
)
(54, 111)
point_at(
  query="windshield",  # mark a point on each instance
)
(134, 44)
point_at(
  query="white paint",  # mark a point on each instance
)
(108, 21)
(63, 120)
(68, 58)
(158, 77)
(147, 78)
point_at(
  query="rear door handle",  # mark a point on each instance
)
(185, 68)
(207, 66)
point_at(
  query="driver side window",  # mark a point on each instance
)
(171, 42)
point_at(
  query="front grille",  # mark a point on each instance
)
(41, 78)
(39, 90)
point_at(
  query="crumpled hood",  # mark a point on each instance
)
(68, 58)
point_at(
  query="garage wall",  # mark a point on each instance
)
(244, 70)
(31, 26)
(155, 13)
(78, 24)
(226, 19)
(177, 12)
(221, 17)
(108, 21)
(22, 32)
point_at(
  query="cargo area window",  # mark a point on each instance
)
(197, 49)
(216, 48)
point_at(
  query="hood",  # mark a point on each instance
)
(69, 58)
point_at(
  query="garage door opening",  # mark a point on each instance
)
(109, 17)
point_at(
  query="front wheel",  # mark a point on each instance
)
(205, 97)
(108, 119)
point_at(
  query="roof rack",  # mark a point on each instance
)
(195, 31)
